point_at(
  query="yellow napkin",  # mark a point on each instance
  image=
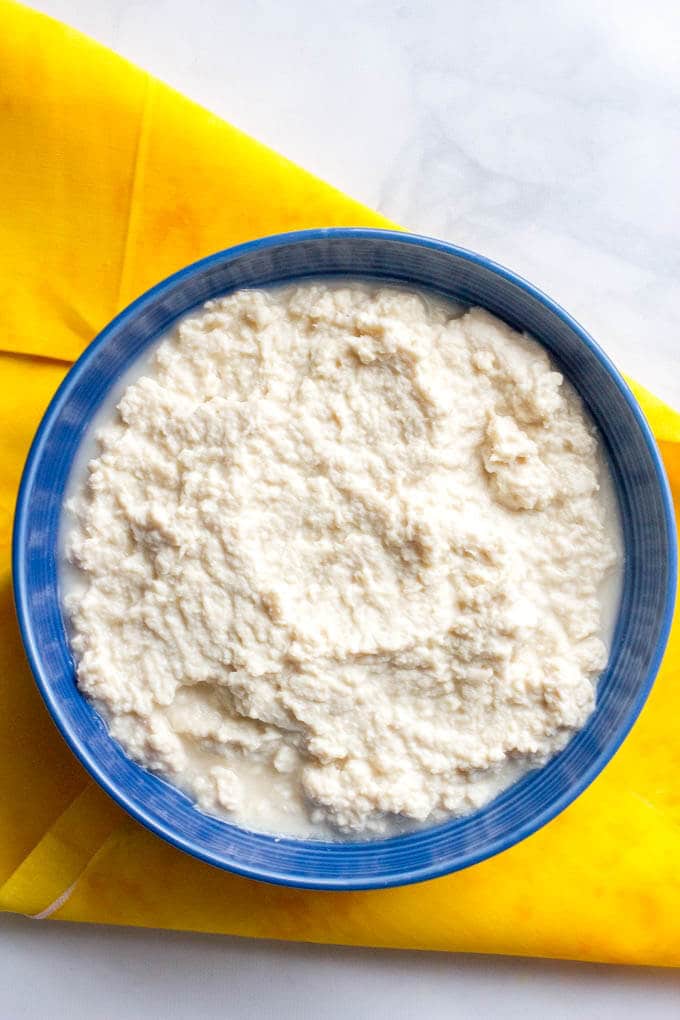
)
(110, 181)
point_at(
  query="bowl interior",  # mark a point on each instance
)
(648, 585)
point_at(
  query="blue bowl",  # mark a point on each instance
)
(649, 574)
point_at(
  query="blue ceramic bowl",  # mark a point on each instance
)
(648, 590)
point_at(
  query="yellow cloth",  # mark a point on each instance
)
(110, 181)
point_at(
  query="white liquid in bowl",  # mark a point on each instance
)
(348, 559)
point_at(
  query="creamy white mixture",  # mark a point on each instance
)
(340, 560)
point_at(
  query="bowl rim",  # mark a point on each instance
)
(21, 588)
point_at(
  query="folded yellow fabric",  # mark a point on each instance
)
(110, 181)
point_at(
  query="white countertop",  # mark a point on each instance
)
(543, 134)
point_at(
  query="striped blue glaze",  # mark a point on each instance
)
(649, 573)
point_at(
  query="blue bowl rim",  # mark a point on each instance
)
(137, 811)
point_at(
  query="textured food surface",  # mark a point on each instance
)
(340, 553)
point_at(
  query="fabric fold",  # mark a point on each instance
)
(45, 877)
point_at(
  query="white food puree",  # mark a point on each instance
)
(340, 560)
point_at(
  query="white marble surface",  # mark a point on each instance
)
(544, 133)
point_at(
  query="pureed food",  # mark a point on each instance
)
(346, 560)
